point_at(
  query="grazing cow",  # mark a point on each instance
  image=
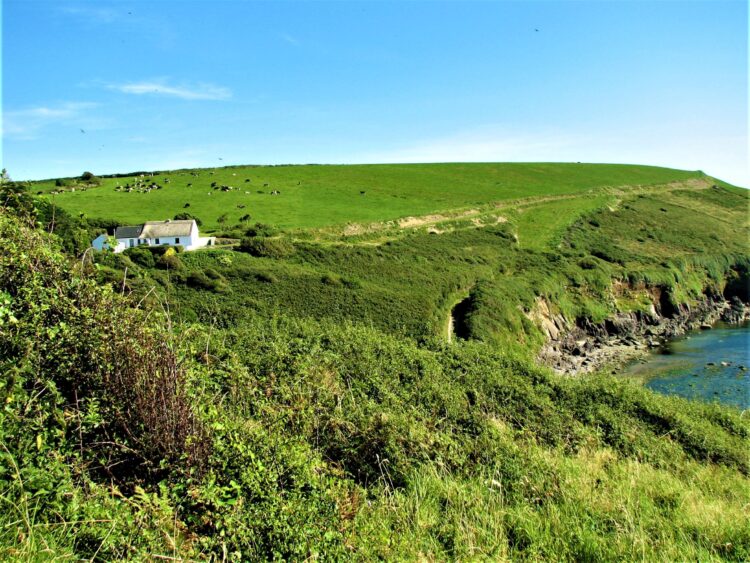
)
(189, 185)
(362, 193)
(247, 179)
(265, 185)
(186, 206)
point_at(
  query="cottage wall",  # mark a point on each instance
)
(189, 242)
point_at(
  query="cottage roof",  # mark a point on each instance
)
(128, 232)
(156, 229)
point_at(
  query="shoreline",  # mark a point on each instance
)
(589, 347)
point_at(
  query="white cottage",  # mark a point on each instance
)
(156, 233)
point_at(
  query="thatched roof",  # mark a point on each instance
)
(156, 229)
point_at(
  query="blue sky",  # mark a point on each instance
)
(131, 85)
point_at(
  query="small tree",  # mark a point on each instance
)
(188, 216)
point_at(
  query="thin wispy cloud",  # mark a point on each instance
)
(92, 14)
(479, 146)
(290, 39)
(184, 92)
(29, 122)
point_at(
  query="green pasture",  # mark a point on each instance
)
(540, 225)
(325, 195)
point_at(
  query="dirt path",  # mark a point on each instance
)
(489, 212)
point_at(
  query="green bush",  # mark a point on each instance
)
(169, 262)
(200, 280)
(263, 247)
(260, 230)
(141, 255)
(330, 279)
(188, 216)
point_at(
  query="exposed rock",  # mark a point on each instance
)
(586, 346)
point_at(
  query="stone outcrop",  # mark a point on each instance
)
(584, 346)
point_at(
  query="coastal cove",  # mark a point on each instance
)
(707, 365)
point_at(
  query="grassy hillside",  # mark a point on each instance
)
(296, 396)
(298, 439)
(406, 280)
(317, 196)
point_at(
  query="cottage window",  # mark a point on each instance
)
(177, 240)
(157, 241)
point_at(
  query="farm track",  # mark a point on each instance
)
(390, 230)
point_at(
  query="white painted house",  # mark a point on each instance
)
(156, 233)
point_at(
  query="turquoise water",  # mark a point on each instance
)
(683, 366)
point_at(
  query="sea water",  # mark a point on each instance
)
(710, 365)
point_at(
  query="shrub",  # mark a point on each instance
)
(89, 178)
(330, 279)
(184, 216)
(169, 262)
(122, 381)
(213, 274)
(350, 283)
(141, 255)
(267, 247)
(260, 230)
(200, 280)
(266, 277)
(225, 259)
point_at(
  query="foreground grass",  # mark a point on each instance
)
(607, 509)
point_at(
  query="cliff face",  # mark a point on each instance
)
(583, 346)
